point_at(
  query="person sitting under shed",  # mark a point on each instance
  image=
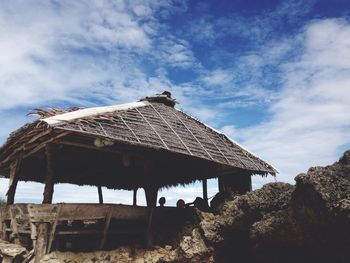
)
(180, 203)
(199, 203)
(162, 201)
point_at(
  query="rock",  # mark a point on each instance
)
(194, 247)
(12, 252)
(280, 222)
(123, 254)
(243, 211)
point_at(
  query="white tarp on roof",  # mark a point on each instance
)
(92, 112)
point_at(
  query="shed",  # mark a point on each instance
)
(147, 144)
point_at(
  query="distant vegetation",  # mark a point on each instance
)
(2, 201)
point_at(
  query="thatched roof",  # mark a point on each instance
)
(152, 123)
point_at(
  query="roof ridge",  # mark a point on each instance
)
(93, 111)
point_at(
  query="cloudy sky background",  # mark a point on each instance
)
(273, 75)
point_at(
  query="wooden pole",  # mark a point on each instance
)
(13, 181)
(134, 199)
(49, 180)
(151, 193)
(41, 242)
(100, 195)
(205, 190)
(151, 190)
(221, 185)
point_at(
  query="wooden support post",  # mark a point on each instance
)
(221, 185)
(49, 180)
(14, 167)
(41, 242)
(151, 193)
(150, 228)
(14, 226)
(151, 190)
(205, 190)
(106, 227)
(250, 187)
(100, 196)
(53, 229)
(134, 198)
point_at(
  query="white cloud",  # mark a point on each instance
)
(174, 53)
(310, 120)
(218, 77)
(203, 31)
(75, 52)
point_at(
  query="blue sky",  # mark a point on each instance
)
(273, 75)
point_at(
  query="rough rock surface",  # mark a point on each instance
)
(308, 222)
(124, 254)
(191, 248)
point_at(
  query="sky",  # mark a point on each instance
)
(272, 75)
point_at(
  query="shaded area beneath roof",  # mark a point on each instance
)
(126, 170)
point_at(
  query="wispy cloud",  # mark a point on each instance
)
(73, 51)
(309, 121)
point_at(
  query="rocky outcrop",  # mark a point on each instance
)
(308, 222)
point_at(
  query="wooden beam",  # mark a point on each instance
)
(49, 180)
(82, 145)
(35, 149)
(221, 185)
(151, 193)
(53, 229)
(41, 242)
(105, 229)
(150, 228)
(205, 190)
(100, 195)
(134, 199)
(14, 167)
(14, 226)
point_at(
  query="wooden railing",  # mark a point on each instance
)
(43, 223)
(47, 227)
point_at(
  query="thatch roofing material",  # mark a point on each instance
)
(156, 125)
(146, 124)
